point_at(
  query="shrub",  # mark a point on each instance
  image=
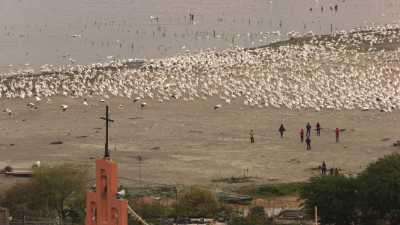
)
(58, 190)
(379, 191)
(198, 203)
(335, 197)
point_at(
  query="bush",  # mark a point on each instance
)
(24, 199)
(239, 220)
(153, 213)
(335, 197)
(58, 190)
(198, 203)
(380, 191)
(257, 216)
(369, 199)
(271, 190)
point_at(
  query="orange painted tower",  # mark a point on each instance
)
(103, 207)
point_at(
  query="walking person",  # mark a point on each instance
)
(318, 126)
(308, 142)
(308, 127)
(337, 131)
(281, 130)
(251, 136)
(301, 135)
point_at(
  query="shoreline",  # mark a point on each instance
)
(292, 40)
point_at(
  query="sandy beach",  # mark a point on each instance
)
(190, 142)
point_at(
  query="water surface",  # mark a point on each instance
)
(36, 32)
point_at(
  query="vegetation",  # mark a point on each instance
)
(233, 180)
(335, 197)
(379, 191)
(371, 198)
(192, 203)
(197, 202)
(272, 190)
(53, 191)
(153, 213)
(167, 191)
(256, 216)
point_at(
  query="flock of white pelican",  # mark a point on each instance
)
(346, 70)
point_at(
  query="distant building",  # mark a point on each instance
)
(4, 216)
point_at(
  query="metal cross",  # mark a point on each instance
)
(107, 119)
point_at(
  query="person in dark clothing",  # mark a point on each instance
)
(301, 135)
(318, 126)
(308, 142)
(337, 131)
(251, 136)
(281, 130)
(308, 127)
(323, 168)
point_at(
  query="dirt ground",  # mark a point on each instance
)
(190, 142)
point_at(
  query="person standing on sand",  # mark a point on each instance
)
(337, 131)
(251, 136)
(308, 142)
(281, 130)
(318, 126)
(308, 127)
(301, 135)
(323, 168)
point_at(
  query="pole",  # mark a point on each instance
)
(139, 158)
(140, 172)
(107, 119)
(106, 153)
(176, 204)
(316, 214)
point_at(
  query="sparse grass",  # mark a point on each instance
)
(272, 190)
(232, 180)
(160, 191)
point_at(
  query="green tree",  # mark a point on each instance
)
(153, 213)
(65, 186)
(198, 203)
(24, 199)
(58, 190)
(257, 216)
(380, 191)
(335, 197)
(238, 220)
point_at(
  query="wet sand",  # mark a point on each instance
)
(190, 142)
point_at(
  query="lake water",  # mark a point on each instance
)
(36, 32)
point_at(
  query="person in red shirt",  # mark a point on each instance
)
(337, 131)
(301, 135)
